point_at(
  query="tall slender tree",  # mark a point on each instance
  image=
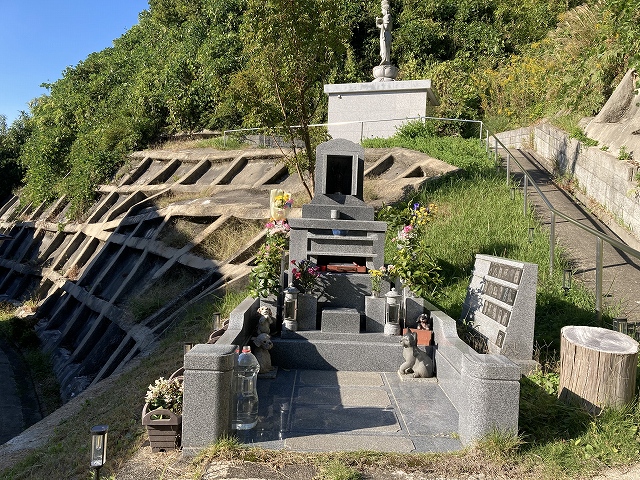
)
(291, 47)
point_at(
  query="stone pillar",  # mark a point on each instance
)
(491, 398)
(208, 390)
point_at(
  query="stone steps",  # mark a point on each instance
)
(316, 350)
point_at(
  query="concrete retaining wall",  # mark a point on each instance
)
(600, 175)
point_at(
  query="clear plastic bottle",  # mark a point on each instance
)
(245, 411)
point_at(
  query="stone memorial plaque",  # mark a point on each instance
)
(501, 305)
(500, 292)
(496, 312)
(505, 272)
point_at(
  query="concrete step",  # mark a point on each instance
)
(315, 350)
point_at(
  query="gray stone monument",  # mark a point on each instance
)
(208, 380)
(377, 109)
(501, 306)
(337, 231)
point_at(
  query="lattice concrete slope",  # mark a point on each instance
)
(150, 234)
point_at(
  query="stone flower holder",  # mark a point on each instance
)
(374, 310)
(163, 427)
(307, 311)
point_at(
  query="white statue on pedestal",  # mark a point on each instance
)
(384, 23)
(385, 72)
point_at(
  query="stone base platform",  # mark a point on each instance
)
(315, 350)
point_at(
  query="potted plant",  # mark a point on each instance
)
(162, 413)
(306, 275)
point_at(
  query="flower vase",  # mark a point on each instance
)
(163, 427)
(279, 213)
(307, 311)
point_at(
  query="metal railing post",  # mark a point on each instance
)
(224, 138)
(599, 278)
(525, 194)
(361, 131)
(508, 167)
(552, 241)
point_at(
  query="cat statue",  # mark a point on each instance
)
(416, 361)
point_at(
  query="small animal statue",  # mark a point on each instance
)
(265, 321)
(262, 344)
(423, 322)
(416, 361)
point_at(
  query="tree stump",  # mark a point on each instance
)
(597, 367)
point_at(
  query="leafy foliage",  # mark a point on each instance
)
(264, 279)
(193, 64)
(291, 46)
(11, 140)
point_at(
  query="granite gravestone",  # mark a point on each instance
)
(500, 306)
(337, 231)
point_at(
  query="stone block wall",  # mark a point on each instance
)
(600, 175)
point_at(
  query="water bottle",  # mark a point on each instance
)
(245, 412)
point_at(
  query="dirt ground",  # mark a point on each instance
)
(146, 465)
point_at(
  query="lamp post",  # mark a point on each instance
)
(98, 448)
(290, 321)
(566, 280)
(392, 313)
(620, 325)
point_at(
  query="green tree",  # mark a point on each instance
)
(11, 141)
(292, 47)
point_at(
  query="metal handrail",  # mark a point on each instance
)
(600, 237)
(360, 122)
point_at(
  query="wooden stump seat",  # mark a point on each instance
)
(597, 367)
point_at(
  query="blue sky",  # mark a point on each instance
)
(39, 39)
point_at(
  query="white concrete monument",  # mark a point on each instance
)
(377, 109)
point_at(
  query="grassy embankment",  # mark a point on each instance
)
(476, 214)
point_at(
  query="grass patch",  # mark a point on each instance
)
(165, 289)
(336, 470)
(231, 143)
(224, 241)
(170, 197)
(179, 231)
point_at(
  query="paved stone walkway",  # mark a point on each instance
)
(313, 411)
(621, 271)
